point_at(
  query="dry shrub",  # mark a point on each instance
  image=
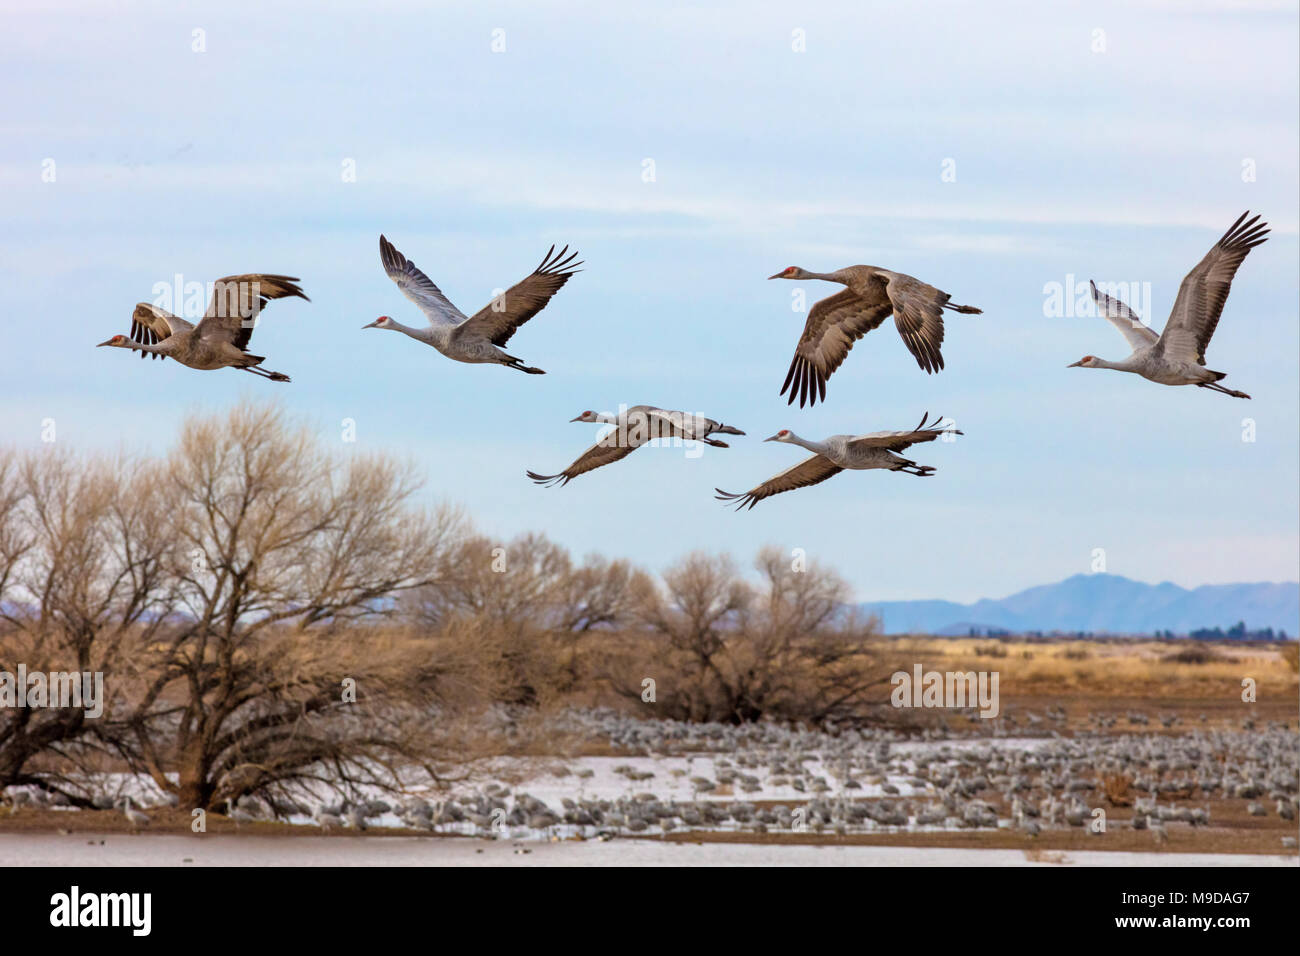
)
(504, 665)
(1196, 654)
(1118, 788)
(719, 647)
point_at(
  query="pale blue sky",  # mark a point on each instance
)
(1121, 165)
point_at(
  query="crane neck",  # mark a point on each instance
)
(816, 447)
(405, 329)
(1124, 366)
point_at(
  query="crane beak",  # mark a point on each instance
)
(371, 325)
(577, 419)
(777, 276)
(1075, 364)
(102, 344)
(773, 438)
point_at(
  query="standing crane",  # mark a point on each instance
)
(1177, 355)
(838, 452)
(634, 428)
(871, 296)
(220, 340)
(477, 339)
(135, 817)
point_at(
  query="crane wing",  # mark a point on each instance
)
(833, 325)
(237, 301)
(501, 318)
(1204, 291)
(918, 314)
(897, 441)
(606, 451)
(418, 287)
(150, 325)
(1138, 335)
(810, 471)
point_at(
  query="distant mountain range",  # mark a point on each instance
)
(1103, 603)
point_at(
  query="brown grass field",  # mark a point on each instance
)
(1091, 678)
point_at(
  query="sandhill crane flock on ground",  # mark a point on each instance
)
(834, 324)
(1021, 774)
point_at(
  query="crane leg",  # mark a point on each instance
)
(1219, 388)
(273, 376)
(510, 361)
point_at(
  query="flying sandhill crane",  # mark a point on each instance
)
(838, 452)
(221, 338)
(476, 339)
(638, 425)
(1177, 355)
(838, 321)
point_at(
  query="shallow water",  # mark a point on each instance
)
(222, 850)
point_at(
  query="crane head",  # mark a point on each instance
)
(587, 416)
(1088, 361)
(789, 272)
(383, 322)
(782, 435)
(117, 341)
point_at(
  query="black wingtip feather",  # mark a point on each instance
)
(549, 480)
(557, 264)
(740, 498)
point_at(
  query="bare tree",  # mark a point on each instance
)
(536, 603)
(508, 583)
(81, 580)
(733, 650)
(600, 594)
(275, 545)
